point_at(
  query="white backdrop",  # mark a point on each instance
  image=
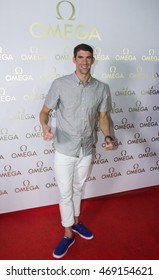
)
(36, 43)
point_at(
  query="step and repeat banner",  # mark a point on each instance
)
(36, 47)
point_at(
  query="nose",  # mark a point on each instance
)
(85, 60)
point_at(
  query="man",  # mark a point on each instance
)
(79, 99)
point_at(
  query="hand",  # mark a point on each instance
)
(47, 134)
(109, 144)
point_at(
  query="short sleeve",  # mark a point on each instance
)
(52, 97)
(105, 105)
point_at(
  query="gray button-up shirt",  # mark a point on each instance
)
(77, 108)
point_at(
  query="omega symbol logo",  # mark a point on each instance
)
(139, 69)
(21, 111)
(60, 14)
(26, 183)
(66, 51)
(23, 148)
(150, 87)
(33, 49)
(138, 103)
(126, 51)
(2, 91)
(52, 70)
(37, 128)
(40, 164)
(137, 135)
(147, 149)
(123, 153)
(151, 52)
(112, 69)
(98, 51)
(149, 119)
(113, 105)
(136, 166)
(97, 156)
(35, 90)
(7, 167)
(125, 87)
(124, 121)
(4, 131)
(111, 170)
(18, 70)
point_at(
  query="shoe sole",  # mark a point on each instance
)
(61, 256)
(88, 238)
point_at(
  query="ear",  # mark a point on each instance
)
(74, 60)
(93, 60)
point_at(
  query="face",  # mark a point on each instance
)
(83, 61)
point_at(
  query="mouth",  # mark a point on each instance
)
(84, 67)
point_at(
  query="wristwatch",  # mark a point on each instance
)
(108, 137)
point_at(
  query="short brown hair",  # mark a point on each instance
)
(83, 47)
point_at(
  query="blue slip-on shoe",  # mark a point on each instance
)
(63, 247)
(82, 231)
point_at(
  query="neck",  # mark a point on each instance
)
(83, 77)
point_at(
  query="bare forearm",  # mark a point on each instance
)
(44, 118)
(104, 124)
(105, 128)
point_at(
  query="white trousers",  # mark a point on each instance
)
(70, 174)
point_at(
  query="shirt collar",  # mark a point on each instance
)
(78, 81)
